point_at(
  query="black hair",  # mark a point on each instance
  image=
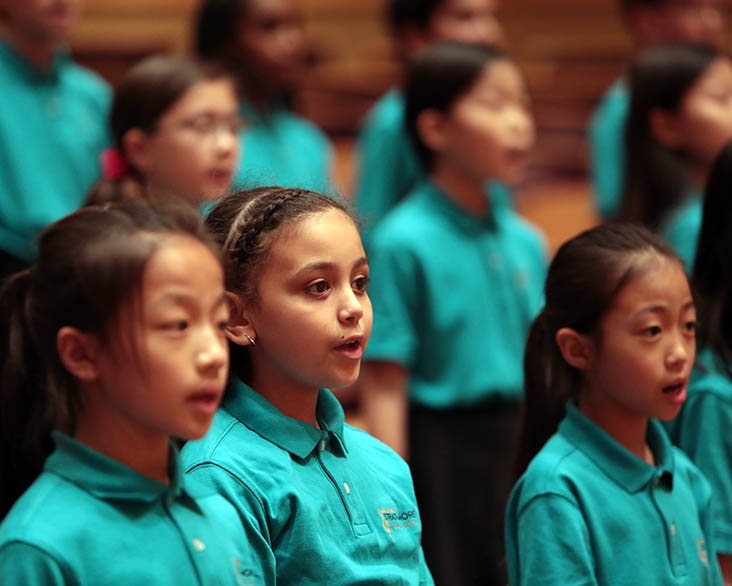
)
(657, 178)
(246, 224)
(584, 279)
(437, 77)
(90, 265)
(146, 92)
(400, 13)
(712, 273)
(216, 25)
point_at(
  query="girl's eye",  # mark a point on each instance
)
(318, 288)
(176, 326)
(652, 331)
(690, 326)
(223, 324)
(359, 284)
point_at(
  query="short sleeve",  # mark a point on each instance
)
(549, 544)
(22, 564)
(394, 292)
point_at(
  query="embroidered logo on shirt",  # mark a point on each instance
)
(701, 545)
(245, 576)
(391, 519)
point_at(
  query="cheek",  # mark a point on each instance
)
(709, 128)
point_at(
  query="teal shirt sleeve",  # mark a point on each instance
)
(607, 148)
(547, 543)
(681, 230)
(702, 431)
(22, 564)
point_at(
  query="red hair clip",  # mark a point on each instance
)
(114, 165)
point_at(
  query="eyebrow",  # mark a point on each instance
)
(315, 266)
(661, 308)
(184, 299)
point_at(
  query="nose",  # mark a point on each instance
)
(351, 309)
(226, 140)
(213, 354)
(681, 351)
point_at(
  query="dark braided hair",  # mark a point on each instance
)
(246, 224)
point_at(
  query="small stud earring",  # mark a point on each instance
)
(251, 341)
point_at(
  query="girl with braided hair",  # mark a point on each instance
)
(323, 502)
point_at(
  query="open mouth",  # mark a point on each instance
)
(674, 388)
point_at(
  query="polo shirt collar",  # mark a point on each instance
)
(254, 116)
(106, 478)
(463, 219)
(9, 54)
(618, 463)
(292, 435)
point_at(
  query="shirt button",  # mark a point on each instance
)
(346, 488)
(198, 545)
(673, 529)
(322, 445)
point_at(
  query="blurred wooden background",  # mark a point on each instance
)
(570, 51)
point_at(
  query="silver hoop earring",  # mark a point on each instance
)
(251, 341)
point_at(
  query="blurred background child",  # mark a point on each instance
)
(680, 118)
(262, 43)
(702, 429)
(53, 124)
(604, 498)
(457, 281)
(326, 503)
(387, 167)
(112, 344)
(649, 22)
(176, 127)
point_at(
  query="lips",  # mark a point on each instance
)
(205, 402)
(351, 348)
(676, 391)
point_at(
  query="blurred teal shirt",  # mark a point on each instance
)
(387, 167)
(53, 127)
(453, 297)
(681, 229)
(702, 430)
(588, 511)
(607, 149)
(330, 504)
(284, 149)
(91, 520)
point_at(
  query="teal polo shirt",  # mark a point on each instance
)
(88, 519)
(281, 148)
(702, 430)
(588, 511)
(332, 505)
(453, 297)
(53, 127)
(607, 149)
(681, 229)
(387, 165)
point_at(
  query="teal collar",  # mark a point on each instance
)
(106, 478)
(618, 463)
(296, 437)
(461, 218)
(30, 71)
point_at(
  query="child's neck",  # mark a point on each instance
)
(295, 401)
(37, 51)
(466, 192)
(629, 432)
(146, 455)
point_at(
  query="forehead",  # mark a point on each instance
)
(207, 94)
(449, 7)
(257, 10)
(324, 234)
(501, 75)
(181, 263)
(658, 283)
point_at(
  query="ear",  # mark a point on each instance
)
(665, 128)
(78, 353)
(239, 330)
(432, 127)
(576, 348)
(136, 148)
